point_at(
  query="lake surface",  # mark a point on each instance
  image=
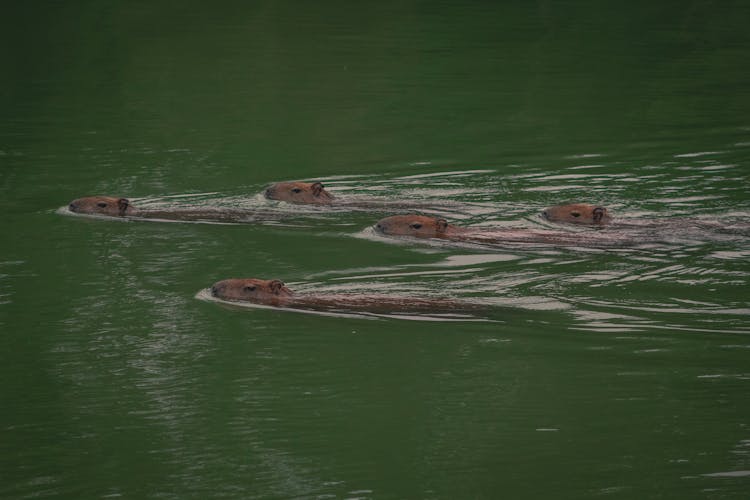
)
(616, 373)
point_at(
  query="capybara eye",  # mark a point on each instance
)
(416, 225)
(575, 214)
(101, 204)
(296, 190)
(250, 288)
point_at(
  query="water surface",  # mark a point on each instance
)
(600, 373)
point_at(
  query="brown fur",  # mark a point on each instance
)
(102, 205)
(275, 293)
(121, 207)
(269, 292)
(307, 193)
(578, 213)
(420, 226)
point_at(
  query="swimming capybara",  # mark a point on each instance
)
(275, 293)
(121, 207)
(420, 226)
(313, 193)
(599, 217)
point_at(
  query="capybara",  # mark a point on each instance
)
(275, 293)
(121, 207)
(421, 226)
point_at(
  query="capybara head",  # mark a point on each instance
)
(577, 213)
(308, 193)
(102, 205)
(271, 292)
(419, 226)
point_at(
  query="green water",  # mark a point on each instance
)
(615, 374)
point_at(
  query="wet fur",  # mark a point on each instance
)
(275, 293)
(314, 193)
(598, 216)
(303, 193)
(420, 226)
(111, 206)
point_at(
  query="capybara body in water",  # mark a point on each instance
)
(275, 293)
(420, 226)
(304, 193)
(578, 213)
(598, 216)
(314, 193)
(121, 207)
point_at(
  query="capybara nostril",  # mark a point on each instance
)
(73, 207)
(215, 291)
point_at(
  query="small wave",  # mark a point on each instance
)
(731, 473)
(698, 154)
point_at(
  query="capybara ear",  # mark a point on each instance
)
(122, 205)
(441, 225)
(276, 286)
(317, 188)
(598, 213)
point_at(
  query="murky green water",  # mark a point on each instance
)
(619, 373)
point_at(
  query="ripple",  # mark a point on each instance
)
(698, 154)
(732, 473)
(729, 254)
